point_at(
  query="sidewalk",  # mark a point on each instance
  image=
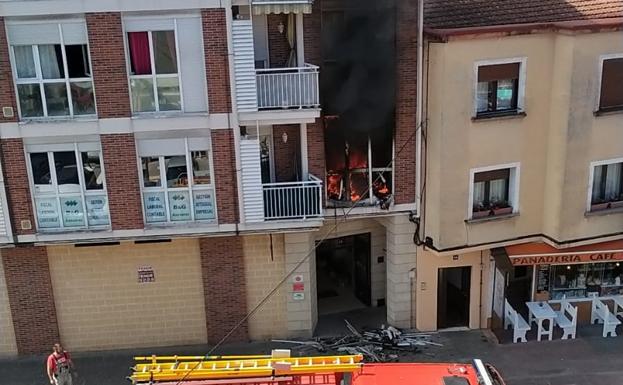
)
(590, 360)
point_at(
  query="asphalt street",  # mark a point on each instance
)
(587, 360)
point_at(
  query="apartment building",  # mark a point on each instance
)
(168, 163)
(524, 151)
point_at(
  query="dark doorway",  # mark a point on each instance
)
(453, 288)
(519, 290)
(343, 274)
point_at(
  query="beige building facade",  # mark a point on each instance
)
(524, 174)
(102, 304)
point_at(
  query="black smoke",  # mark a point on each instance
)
(359, 66)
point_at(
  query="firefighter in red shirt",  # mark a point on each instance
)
(59, 366)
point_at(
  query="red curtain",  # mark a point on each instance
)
(139, 53)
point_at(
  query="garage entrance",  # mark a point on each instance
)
(343, 274)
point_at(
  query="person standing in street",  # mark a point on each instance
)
(59, 366)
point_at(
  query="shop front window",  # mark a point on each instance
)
(580, 280)
(68, 187)
(172, 194)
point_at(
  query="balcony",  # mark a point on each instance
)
(293, 200)
(273, 82)
(281, 88)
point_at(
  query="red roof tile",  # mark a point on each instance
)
(478, 13)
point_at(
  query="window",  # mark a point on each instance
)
(154, 79)
(498, 88)
(607, 186)
(68, 186)
(177, 185)
(166, 62)
(611, 92)
(52, 70)
(494, 192)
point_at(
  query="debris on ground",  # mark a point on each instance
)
(384, 344)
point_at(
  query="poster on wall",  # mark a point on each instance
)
(542, 283)
(48, 215)
(498, 294)
(97, 210)
(179, 206)
(204, 204)
(146, 274)
(155, 208)
(72, 211)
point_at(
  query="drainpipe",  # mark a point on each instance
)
(232, 117)
(418, 112)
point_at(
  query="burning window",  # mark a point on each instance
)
(358, 167)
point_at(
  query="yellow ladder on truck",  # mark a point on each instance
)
(175, 368)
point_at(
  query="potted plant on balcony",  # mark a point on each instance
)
(501, 208)
(480, 211)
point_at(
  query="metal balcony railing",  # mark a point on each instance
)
(293, 200)
(295, 87)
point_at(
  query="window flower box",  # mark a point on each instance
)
(503, 211)
(480, 214)
(616, 204)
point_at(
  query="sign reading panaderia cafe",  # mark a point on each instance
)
(552, 259)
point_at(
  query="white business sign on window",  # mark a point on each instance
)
(97, 210)
(72, 211)
(48, 215)
(155, 208)
(204, 204)
(179, 206)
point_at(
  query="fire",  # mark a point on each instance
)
(348, 173)
(380, 187)
(334, 186)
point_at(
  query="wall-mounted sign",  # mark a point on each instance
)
(48, 215)
(298, 296)
(97, 210)
(179, 206)
(297, 278)
(542, 283)
(567, 258)
(155, 208)
(298, 286)
(146, 274)
(204, 204)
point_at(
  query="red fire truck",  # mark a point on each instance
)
(281, 369)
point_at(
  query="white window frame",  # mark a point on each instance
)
(153, 76)
(53, 190)
(521, 87)
(190, 188)
(513, 185)
(600, 69)
(41, 81)
(591, 177)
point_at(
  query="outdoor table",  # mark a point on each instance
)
(618, 304)
(541, 311)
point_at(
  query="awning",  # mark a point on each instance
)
(544, 254)
(267, 7)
